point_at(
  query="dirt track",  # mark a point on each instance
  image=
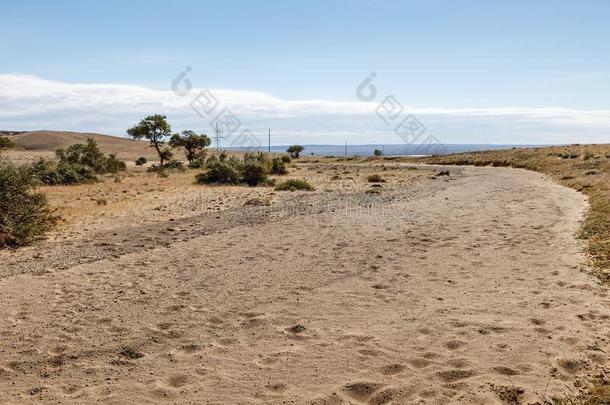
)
(456, 290)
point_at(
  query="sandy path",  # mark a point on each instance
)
(450, 294)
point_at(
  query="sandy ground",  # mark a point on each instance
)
(455, 289)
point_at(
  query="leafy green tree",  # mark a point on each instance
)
(295, 151)
(156, 129)
(194, 144)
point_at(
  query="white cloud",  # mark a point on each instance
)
(29, 102)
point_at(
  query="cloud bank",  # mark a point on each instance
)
(28, 102)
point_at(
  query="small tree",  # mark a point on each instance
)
(295, 151)
(155, 128)
(193, 143)
(6, 143)
(378, 152)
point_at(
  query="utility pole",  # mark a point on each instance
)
(269, 139)
(218, 132)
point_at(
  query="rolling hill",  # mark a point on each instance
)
(49, 141)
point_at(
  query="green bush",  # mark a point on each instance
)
(219, 173)
(278, 166)
(293, 185)
(114, 164)
(169, 166)
(6, 143)
(54, 173)
(252, 169)
(198, 163)
(79, 163)
(286, 159)
(89, 154)
(255, 169)
(141, 161)
(24, 214)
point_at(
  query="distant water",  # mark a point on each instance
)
(388, 150)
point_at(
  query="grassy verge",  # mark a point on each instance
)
(585, 168)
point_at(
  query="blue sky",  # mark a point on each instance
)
(547, 62)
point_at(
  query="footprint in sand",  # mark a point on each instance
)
(454, 344)
(361, 391)
(391, 369)
(419, 363)
(450, 376)
(178, 380)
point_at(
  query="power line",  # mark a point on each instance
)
(218, 137)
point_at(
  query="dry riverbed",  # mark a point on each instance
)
(464, 288)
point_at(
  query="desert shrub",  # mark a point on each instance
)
(6, 143)
(375, 178)
(219, 173)
(172, 165)
(141, 161)
(55, 173)
(587, 156)
(254, 169)
(198, 163)
(278, 166)
(79, 163)
(378, 152)
(293, 185)
(85, 154)
(114, 164)
(24, 213)
(288, 159)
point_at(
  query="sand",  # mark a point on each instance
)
(466, 288)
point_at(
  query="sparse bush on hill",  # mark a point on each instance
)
(141, 161)
(286, 159)
(293, 185)
(24, 213)
(378, 152)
